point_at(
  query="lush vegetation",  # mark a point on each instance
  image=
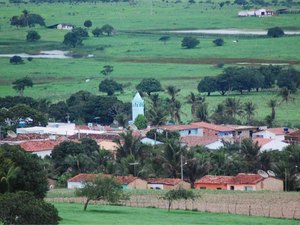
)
(73, 214)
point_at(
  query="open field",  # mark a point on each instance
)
(136, 53)
(261, 203)
(98, 214)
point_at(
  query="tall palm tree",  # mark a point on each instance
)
(249, 109)
(155, 100)
(202, 112)
(194, 100)
(250, 152)
(286, 97)
(11, 174)
(272, 104)
(177, 112)
(233, 107)
(172, 91)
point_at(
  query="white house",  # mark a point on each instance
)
(64, 26)
(256, 12)
(137, 106)
(149, 141)
(183, 130)
(267, 144)
(276, 133)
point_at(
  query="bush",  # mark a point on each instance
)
(218, 42)
(140, 122)
(32, 36)
(23, 208)
(189, 42)
(16, 59)
(88, 23)
(275, 32)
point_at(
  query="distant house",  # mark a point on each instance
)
(183, 130)
(40, 148)
(256, 12)
(210, 129)
(293, 137)
(62, 26)
(127, 182)
(149, 141)
(167, 184)
(267, 144)
(276, 133)
(240, 182)
(211, 142)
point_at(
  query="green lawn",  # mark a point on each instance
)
(72, 213)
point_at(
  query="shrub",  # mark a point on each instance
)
(218, 42)
(189, 42)
(32, 36)
(275, 32)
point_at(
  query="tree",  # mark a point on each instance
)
(16, 60)
(202, 112)
(102, 188)
(218, 42)
(33, 36)
(20, 84)
(88, 23)
(107, 69)
(164, 39)
(272, 104)
(289, 78)
(140, 122)
(97, 32)
(233, 107)
(27, 20)
(250, 152)
(175, 195)
(189, 42)
(23, 208)
(207, 84)
(110, 86)
(29, 177)
(249, 109)
(275, 32)
(285, 95)
(194, 100)
(72, 39)
(108, 29)
(80, 32)
(149, 85)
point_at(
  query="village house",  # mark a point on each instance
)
(167, 184)
(183, 130)
(276, 133)
(267, 144)
(127, 182)
(292, 137)
(240, 182)
(211, 142)
(62, 26)
(210, 129)
(39, 148)
(256, 12)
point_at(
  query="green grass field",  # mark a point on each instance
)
(139, 55)
(110, 215)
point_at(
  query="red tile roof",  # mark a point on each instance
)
(36, 146)
(209, 179)
(22, 137)
(83, 177)
(166, 181)
(198, 140)
(178, 127)
(212, 126)
(280, 130)
(262, 141)
(241, 178)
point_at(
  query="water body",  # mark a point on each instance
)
(231, 32)
(53, 54)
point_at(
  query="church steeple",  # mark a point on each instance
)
(137, 106)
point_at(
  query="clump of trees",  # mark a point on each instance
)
(105, 29)
(32, 36)
(149, 85)
(16, 60)
(20, 84)
(110, 86)
(27, 19)
(275, 32)
(180, 194)
(189, 42)
(107, 69)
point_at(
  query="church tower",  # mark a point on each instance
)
(137, 106)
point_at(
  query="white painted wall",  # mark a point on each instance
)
(215, 145)
(73, 185)
(43, 154)
(156, 186)
(274, 145)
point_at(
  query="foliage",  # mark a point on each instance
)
(110, 86)
(149, 85)
(107, 69)
(218, 42)
(175, 195)
(189, 42)
(102, 188)
(16, 60)
(27, 20)
(20, 84)
(164, 39)
(88, 23)
(23, 208)
(32, 36)
(97, 32)
(72, 39)
(275, 32)
(108, 29)
(29, 176)
(80, 32)
(141, 122)
(207, 84)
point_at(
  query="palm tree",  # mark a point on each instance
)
(11, 174)
(233, 107)
(157, 116)
(249, 109)
(172, 91)
(286, 97)
(177, 111)
(250, 152)
(155, 100)
(272, 104)
(202, 112)
(194, 100)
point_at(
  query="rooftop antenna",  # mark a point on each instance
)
(271, 173)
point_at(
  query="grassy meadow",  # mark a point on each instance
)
(72, 213)
(135, 51)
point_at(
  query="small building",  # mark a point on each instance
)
(61, 26)
(256, 12)
(137, 106)
(211, 142)
(127, 182)
(292, 137)
(149, 141)
(183, 130)
(240, 182)
(267, 144)
(40, 148)
(210, 129)
(276, 133)
(167, 184)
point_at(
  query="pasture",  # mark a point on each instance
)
(135, 51)
(72, 213)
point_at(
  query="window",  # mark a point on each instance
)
(231, 187)
(190, 131)
(248, 188)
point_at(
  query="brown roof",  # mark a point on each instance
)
(36, 146)
(178, 127)
(166, 181)
(280, 130)
(22, 137)
(106, 136)
(209, 179)
(212, 126)
(198, 140)
(262, 141)
(83, 177)
(241, 178)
